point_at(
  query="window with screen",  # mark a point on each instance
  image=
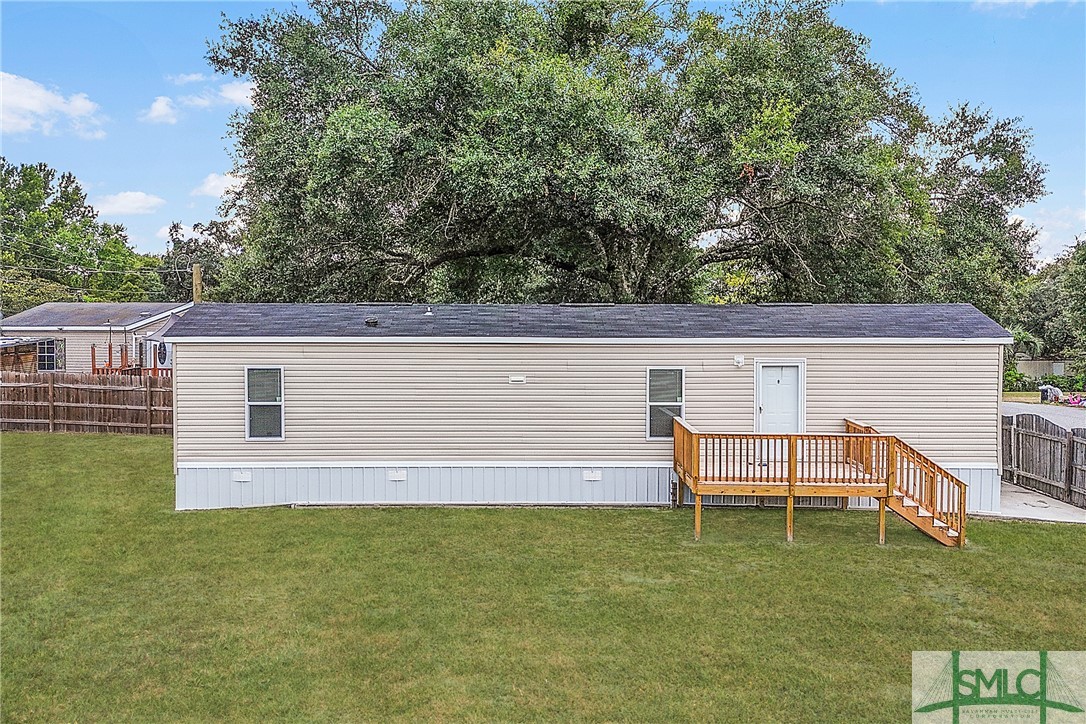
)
(264, 403)
(665, 400)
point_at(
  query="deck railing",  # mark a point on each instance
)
(861, 461)
(769, 459)
(931, 487)
(125, 367)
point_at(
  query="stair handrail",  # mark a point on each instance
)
(949, 507)
(953, 516)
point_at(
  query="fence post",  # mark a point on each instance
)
(150, 407)
(1069, 469)
(52, 407)
(1014, 449)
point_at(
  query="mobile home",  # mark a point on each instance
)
(557, 404)
(71, 329)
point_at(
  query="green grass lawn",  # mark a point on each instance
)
(116, 607)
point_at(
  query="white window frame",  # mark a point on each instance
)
(799, 362)
(282, 403)
(649, 404)
(39, 355)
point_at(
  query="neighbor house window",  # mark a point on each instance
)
(665, 400)
(264, 403)
(47, 355)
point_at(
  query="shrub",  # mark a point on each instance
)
(1015, 381)
(1066, 383)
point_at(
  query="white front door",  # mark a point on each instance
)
(780, 397)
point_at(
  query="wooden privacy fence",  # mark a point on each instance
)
(1040, 455)
(70, 402)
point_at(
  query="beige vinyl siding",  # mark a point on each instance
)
(76, 345)
(453, 402)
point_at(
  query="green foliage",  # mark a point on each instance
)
(980, 169)
(55, 249)
(1067, 383)
(770, 140)
(576, 151)
(117, 608)
(20, 289)
(212, 245)
(1051, 306)
(1015, 381)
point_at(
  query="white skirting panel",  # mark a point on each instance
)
(203, 486)
(982, 493)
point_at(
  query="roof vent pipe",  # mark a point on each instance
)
(371, 321)
(429, 312)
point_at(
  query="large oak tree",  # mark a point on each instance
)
(622, 151)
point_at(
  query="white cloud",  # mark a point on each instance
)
(164, 232)
(989, 4)
(27, 106)
(186, 78)
(234, 93)
(162, 110)
(240, 93)
(203, 100)
(128, 203)
(1013, 8)
(1057, 229)
(215, 184)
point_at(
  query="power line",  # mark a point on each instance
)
(86, 270)
(20, 240)
(87, 290)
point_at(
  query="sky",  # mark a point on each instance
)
(121, 95)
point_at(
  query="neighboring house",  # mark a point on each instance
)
(1042, 367)
(72, 327)
(19, 354)
(567, 404)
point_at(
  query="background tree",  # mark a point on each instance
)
(981, 169)
(55, 249)
(1051, 306)
(209, 245)
(623, 151)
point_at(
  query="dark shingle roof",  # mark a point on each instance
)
(87, 314)
(655, 321)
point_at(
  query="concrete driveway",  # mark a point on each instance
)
(1060, 414)
(1022, 504)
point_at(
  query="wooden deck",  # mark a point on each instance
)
(861, 461)
(125, 367)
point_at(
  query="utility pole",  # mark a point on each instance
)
(197, 284)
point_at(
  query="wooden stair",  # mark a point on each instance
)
(923, 520)
(861, 462)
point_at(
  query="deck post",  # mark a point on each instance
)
(882, 521)
(697, 517)
(961, 516)
(891, 465)
(891, 485)
(789, 515)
